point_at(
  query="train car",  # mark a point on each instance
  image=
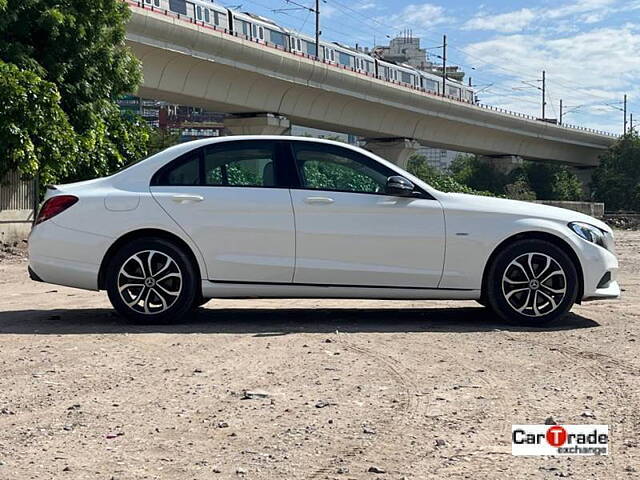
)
(260, 29)
(206, 12)
(392, 72)
(263, 30)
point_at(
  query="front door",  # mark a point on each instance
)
(226, 198)
(349, 232)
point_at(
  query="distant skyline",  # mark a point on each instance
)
(590, 49)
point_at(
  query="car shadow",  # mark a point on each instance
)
(274, 322)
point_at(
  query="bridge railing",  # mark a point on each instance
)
(420, 90)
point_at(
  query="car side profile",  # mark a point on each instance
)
(282, 217)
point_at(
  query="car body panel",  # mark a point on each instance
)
(341, 242)
(245, 234)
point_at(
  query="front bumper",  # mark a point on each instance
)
(612, 291)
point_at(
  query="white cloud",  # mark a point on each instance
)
(419, 17)
(581, 11)
(506, 22)
(592, 68)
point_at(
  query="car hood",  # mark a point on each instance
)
(463, 201)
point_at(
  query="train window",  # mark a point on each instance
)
(216, 18)
(277, 38)
(245, 29)
(299, 46)
(261, 33)
(156, 3)
(178, 6)
(199, 12)
(207, 18)
(406, 77)
(148, 2)
(344, 59)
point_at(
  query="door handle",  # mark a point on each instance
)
(318, 200)
(185, 198)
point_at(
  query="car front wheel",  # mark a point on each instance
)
(151, 280)
(532, 282)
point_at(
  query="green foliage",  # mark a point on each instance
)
(419, 167)
(616, 182)
(34, 131)
(64, 64)
(160, 139)
(333, 176)
(530, 181)
(519, 190)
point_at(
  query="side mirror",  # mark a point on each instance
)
(399, 186)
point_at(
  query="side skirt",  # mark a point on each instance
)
(212, 289)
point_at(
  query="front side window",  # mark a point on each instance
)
(240, 164)
(327, 167)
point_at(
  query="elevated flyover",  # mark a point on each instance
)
(192, 64)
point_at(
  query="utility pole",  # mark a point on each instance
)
(625, 114)
(444, 65)
(560, 111)
(544, 91)
(318, 29)
(469, 81)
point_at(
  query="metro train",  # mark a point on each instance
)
(262, 30)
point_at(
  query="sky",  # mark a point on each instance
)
(590, 49)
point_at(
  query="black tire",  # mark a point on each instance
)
(200, 301)
(178, 292)
(544, 289)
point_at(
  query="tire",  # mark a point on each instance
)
(163, 295)
(200, 301)
(532, 282)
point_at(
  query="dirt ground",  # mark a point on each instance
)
(415, 389)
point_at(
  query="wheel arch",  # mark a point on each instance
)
(535, 235)
(141, 233)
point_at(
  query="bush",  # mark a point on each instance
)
(419, 167)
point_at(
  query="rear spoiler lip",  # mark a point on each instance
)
(51, 187)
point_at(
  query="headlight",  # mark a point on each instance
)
(590, 233)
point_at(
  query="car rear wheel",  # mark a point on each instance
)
(151, 280)
(532, 282)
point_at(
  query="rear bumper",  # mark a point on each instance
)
(65, 257)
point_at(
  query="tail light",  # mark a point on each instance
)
(54, 206)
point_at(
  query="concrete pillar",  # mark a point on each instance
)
(395, 150)
(257, 124)
(504, 163)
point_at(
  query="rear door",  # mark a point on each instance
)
(227, 198)
(350, 232)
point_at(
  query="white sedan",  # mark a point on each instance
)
(282, 217)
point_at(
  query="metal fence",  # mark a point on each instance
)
(16, 193)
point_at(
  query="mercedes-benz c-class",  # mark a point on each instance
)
(282, 217)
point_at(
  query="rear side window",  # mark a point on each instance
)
(241, 164)
(183, 171)
(226, 164)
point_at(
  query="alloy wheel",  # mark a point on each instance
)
(149, 282)
(534, 284)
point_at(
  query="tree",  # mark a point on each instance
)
(77, 47)
(419, 167)
(35, 134)
(616, 182)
